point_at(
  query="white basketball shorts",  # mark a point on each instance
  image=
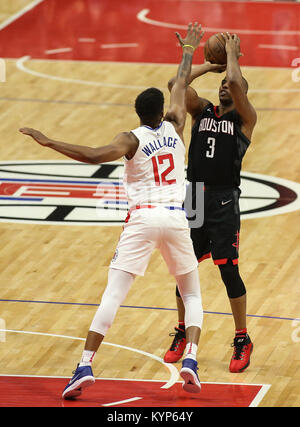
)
(148, 229)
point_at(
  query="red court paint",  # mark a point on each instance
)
(46, 392)
(110, 30)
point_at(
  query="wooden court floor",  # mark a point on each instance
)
(52, 277)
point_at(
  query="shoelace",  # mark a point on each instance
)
(73, 372)
(239, 350)
(178, 337)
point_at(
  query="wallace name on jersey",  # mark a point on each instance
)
(211, 125)
(157, 144)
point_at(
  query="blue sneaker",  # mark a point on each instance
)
(83, 377)
(189, 374)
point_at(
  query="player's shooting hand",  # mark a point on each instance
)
(36, 135)
(193, 37)
(215, 68)
(232, 44)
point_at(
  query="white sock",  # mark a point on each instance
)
(87, 358)
(191, 351)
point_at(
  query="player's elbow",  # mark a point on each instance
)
(181, 83)
(107, 153)
(93, 157)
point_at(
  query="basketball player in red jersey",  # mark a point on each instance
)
(154, 180)
(220, 137)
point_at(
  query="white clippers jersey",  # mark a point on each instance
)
(156, 173)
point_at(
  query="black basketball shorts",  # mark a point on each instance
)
(219, 235)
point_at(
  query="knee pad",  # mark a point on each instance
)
(232, 280)
(189, 287)
(118, 285)
(177, 292)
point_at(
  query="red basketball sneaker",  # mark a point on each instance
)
(241, 355)
(177, 348)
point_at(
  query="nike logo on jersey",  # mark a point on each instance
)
(227, 201)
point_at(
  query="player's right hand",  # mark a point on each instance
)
(232, 42)
(36, 135)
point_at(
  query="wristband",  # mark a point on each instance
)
(188, 45)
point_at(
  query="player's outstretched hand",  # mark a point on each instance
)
(193, 37)
(36, 135)
(232, 43)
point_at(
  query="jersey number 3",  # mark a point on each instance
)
(160, 177)
(211, 145)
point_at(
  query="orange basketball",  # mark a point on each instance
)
(214, 49)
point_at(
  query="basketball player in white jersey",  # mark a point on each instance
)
(155, 183)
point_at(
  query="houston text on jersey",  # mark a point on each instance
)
(224, 126)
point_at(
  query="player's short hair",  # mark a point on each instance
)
(149, 104)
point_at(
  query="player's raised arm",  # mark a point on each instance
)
(124, 144)
(177, 110)
(194, 103)
(237, 85)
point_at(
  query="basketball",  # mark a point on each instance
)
(214, 49)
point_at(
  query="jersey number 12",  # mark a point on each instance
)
(160, 177)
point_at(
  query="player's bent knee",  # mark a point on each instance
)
(232, 280)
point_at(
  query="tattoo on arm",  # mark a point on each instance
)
(184, 69)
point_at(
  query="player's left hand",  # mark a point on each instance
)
(232, 44)
(215, 68)
(36, 135)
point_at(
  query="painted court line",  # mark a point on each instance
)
(112, 104)
(174, 374)
(277, 46)
(260, 316)
(86, 40)
(21, 12)
(142, 16)
(122, 401)
(118, 45)
(20, 64)
(260, 395)
(59, 50)
(264, 388)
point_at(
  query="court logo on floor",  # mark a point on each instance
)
(68, 192)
